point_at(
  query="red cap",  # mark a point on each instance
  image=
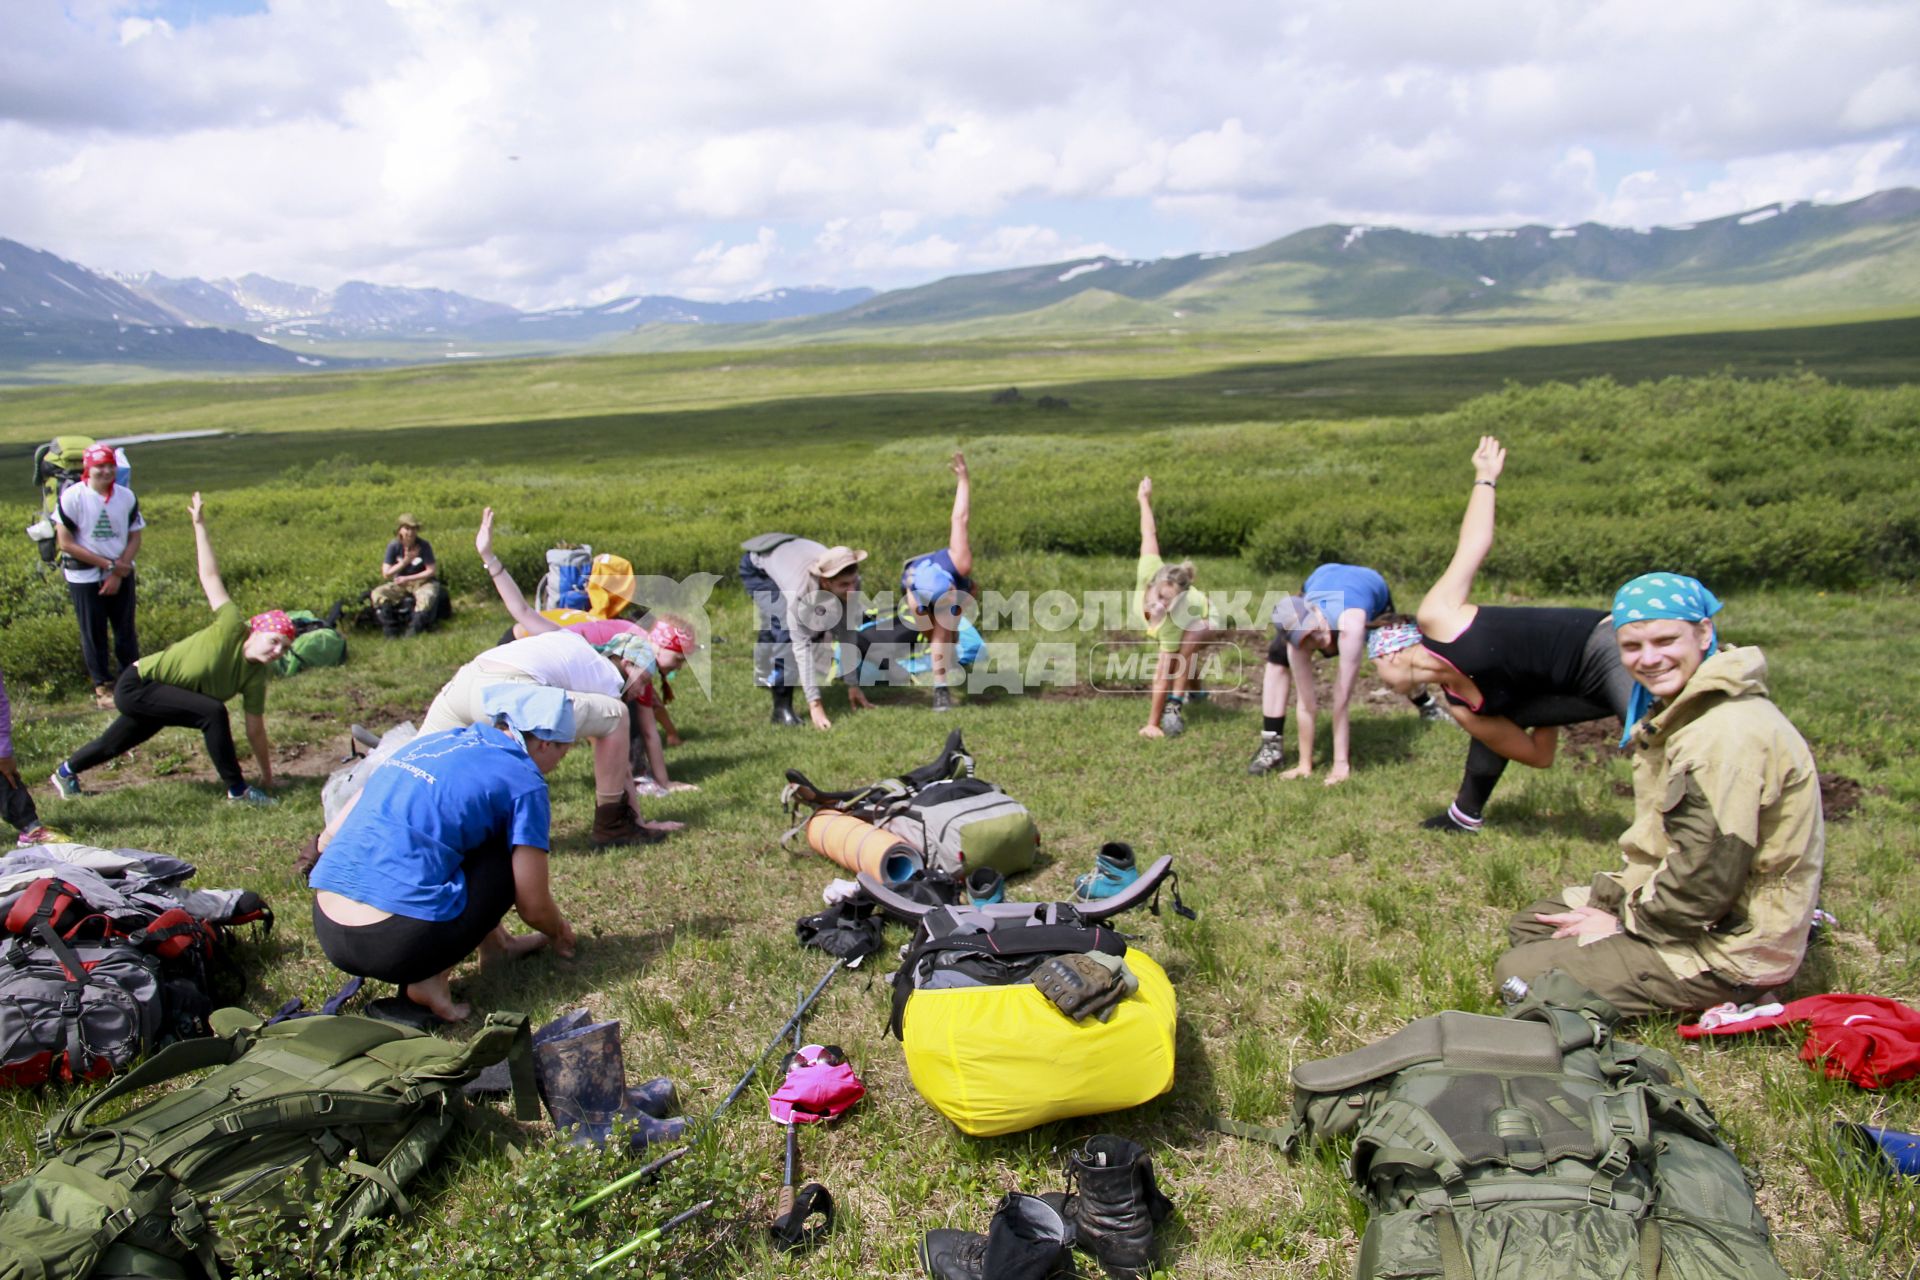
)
(99, 455)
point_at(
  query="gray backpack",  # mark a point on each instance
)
(1533, 1147)
(74, 1011)
(968, 824)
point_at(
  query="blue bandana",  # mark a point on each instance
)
(1661, 595)
(1385, 641)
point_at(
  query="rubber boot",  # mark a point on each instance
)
(1113, 870)
(496, 1081)
(783, 713)
(583, 1080)
(656, 1097)
(614, 824)
(1028, 1239)
(389, 621)
(1115, 1204)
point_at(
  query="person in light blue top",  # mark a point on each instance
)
(420, 867)
(1332, 614)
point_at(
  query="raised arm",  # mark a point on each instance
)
(1439, 611)
(503, 583)
(1149, 537)
(959, 548)
(208, 567)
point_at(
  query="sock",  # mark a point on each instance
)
(1466, 821)
(65, 770)
(1475, 790)
(1272, 726)
(235, 795)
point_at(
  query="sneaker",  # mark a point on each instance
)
(1270, 755)
(65, 783)
(1171, 722)
(41, 833)
(253, 796)
(943, 699)
(1113, 871)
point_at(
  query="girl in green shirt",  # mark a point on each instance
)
(1176, 617)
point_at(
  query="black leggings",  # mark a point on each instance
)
(1601, 688)
(403, 949)
(17, 805)
(148, 706)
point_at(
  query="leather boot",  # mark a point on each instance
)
(389, 621)
(614, 824)
(1027, 1240)
(1116, 1204)
(783, 712)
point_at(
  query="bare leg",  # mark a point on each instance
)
(941, 644)
(436, 993)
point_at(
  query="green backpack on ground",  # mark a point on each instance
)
(315, 645)
(1533, 1147)
(150, 1192)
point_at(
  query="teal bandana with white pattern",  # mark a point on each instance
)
(1661, 595)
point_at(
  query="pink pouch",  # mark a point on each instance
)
(815, 1089)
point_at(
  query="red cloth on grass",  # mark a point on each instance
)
(1870, 1040)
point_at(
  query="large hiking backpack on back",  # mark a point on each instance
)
(57, 464)
(564, 585)
(153, 1191)
(958, 821)
(993, 1054)
(1533, 1147)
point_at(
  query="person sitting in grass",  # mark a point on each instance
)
(419, 868)
(1176, 617)
(1510, 676)
(805, 595)
(16, 802)
(188, 684)
(1723, 860)
(935, 587)
(662, 649)
(1336, 607)
(411, 575)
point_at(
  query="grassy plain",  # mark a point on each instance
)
(1327, 917)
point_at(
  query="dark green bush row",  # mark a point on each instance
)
(1793, 480)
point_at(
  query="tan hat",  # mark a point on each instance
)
(406, 521)
(835, 561)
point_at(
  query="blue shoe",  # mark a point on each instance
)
(65, 783)
(1113, 871)
(985, 886)
(253, 796)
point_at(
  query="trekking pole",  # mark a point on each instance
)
(796, 1210)
(779, 1039)
(649, 1236)
(625, 1181)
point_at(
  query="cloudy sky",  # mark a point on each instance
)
(576, 151)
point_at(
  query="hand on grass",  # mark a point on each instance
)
(681, 786)
(564, 941)
(858, 700)
(672, 739)
(1588, 924)
(819, 716)
(1152, 731)
(1489, 459)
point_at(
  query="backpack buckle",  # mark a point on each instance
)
(121, 1220)
(322, 1103)
(139, 1167)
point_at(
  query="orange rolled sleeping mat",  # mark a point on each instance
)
(860, 846)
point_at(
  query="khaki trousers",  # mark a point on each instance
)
(1628, 973)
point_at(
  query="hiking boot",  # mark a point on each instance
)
(783, 713)
(942, 698)
(614, 823)
(1115, 1204)
(1028, 1239)
(1113, 871)
(986, 886)
(66, 784)
(41, 833)
(1171, 722)
(389, 618)
(1270, 756)
(252, 796)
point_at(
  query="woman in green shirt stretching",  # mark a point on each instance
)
(189, 683)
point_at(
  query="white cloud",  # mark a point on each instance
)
(568, 152)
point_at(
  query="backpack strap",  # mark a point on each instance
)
(1453, 1249)
(177, 1059)
(72, 991)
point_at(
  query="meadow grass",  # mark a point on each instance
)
(1327, 917)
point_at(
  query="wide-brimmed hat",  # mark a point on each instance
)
(835, 561)
(406, 521)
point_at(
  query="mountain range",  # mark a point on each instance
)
(1779, 261)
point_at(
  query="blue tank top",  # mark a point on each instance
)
(1335, 588)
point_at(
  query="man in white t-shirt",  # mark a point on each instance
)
(99, 533)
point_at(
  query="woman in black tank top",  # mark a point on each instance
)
(1510, 675)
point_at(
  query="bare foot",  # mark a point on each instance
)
(437, 995)
(524, 944)
(1299, 771)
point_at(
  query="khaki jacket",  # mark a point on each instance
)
(1724, 855)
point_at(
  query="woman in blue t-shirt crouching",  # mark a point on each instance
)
(420, 867)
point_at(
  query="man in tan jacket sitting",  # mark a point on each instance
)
(1722, 862)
